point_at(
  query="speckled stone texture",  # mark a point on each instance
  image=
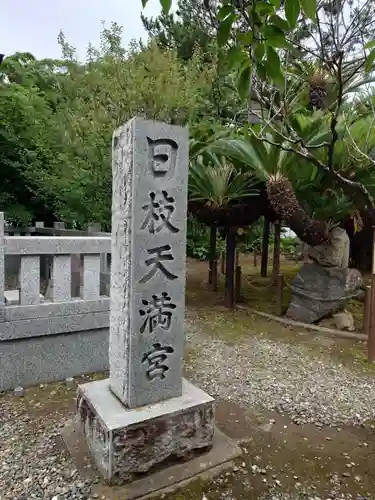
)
(125, 443)
(149, 203)
(318, 291)
(2, 269)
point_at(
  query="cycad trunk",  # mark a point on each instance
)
(285, 204)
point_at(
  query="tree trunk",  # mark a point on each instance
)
(265, 243)
(230, 268)
(276, 251)
(212, 254)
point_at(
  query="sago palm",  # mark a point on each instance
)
(217, 187)
(272, 165)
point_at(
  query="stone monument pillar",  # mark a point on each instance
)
(146, 412)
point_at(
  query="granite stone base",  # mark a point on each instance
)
(39, 360)
(126, 443)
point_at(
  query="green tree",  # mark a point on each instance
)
(57, 119)
(26, 108)
(191, 26)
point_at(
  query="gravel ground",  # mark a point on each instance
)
(257, 372)
(32, 464)
(286, 378)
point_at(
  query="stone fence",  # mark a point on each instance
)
(54, 317)
(58, 229)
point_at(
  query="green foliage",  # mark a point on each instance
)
(57, 120)
(24, 126)
(218, 183)
(251, 239)
(251, 31)
(317, 191)
(289, 246)
(198, 240)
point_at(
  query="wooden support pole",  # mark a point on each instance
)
(279, 294)
(276, 251)
(371, 329)
(367, 310)
(230, 271)
(222, 262)
(212, 253)
(238, 283)
(265, 242)
(214, 275)
(210, 277)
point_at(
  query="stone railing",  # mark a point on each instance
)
(58, 229)
(47, 333)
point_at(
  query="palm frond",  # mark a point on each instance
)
(218, 184)
(249, 155)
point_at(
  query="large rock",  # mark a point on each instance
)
(335, 253)
(319, 291)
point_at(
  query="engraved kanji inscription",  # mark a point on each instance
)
(159, 212)
(162, 154)
(156, 358)
(159, 255)
(157, 312)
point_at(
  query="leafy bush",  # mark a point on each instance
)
(198, 240)
(251, 238)
(289, 246)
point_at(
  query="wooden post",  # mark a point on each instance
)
(371, 329)
(265, 241)
(238, 283)
(212, 253)
(254, 258)
(222, 262)
(276, 251)
(279, 294)
(214, 275)
(229, 271)
(367, 310)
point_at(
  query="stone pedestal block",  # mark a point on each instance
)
(127, 442)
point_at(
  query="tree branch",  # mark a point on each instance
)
(346, 184)
(335, 114)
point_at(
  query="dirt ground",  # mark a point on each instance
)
(281, 460)
(258, 292)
